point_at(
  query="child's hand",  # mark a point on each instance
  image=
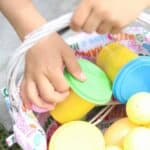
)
(106, 16)
(44, 84)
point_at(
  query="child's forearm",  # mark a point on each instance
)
(148, 3)
(22, 15)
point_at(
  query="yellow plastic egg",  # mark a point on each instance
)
(137, 139)
(115, 134)
(113, 147)
(138, 108)
(77, 135)
(148, 126)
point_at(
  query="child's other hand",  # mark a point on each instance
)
(44, 84)
(106, 16)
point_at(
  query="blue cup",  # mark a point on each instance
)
(134, 77)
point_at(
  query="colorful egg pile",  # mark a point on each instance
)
(133, 132)
(124, 134)
(129, 75)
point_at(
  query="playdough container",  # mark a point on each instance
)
(113, 57)
(77, 135)
(84, 96)
(134, 77)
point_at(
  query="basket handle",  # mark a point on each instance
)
(144, 18)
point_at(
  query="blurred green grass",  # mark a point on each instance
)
(3, 135)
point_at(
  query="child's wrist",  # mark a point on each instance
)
(147, 3)
(28, 21)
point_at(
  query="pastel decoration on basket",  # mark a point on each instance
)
(77, 135)
(134, 77)
(27, 131)
(84, 96)
(135, 38)
(113, 57)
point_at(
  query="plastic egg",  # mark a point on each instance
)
(147, 126)
(113, 147)
(137, 139)
(77, 135)
(138, 108)
(115, 134)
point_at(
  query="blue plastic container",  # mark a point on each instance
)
(134, 77)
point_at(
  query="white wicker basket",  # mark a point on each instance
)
(28, 132)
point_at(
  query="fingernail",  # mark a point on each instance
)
(67, 93)
(82, 76)
(27, 106)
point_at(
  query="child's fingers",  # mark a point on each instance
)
(72, 65)
(92, 22)
(115, 30)
(24, 98)
(104, 27)
(80, 16)
(33, 96)
(47, 91)
(57, 79)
